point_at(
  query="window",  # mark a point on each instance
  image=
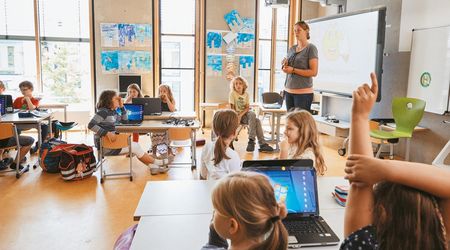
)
(17, 46)
(178, 50)
(269, 45)
(65, 52)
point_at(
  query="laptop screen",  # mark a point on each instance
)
(135, 112)
(3, 105)
(296, 186)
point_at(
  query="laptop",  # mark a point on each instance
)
(152, 106)
(295, 183)
(135, 113)
(7, 103)
(2, 105)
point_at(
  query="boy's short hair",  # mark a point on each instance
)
(26, 84)
(2, 85)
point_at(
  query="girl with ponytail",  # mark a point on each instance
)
(246, 213)
(218, 159)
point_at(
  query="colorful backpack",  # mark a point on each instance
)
(77, 162)
(50, 154)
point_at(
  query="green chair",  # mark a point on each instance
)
(407, 114)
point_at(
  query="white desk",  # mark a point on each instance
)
(52, 106)
(168, 115)
(157, 125)
(276, 120)
(191, 231)
(164, 197)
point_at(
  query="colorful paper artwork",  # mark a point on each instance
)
(249, 25)
(110, 62)
(126, 35)
(214, 65)
(245, 40)
(126, 62)
(143, 35)
(246, 65)
(109, 35)
(234, 21)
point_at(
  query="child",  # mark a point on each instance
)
(391, 204)
(103, 124)
(246, 213)
(239, 101)
(28, 102)
(160, 140)
(218, 159)
(302, 140)
(25, 146)
(133, 91)
(2, 88)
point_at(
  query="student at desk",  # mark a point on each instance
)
(28, 102)
(160, 140)
(2, 88)
(391, 204)
(133, 91)
(103, 124)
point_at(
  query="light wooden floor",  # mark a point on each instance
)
(41, 211)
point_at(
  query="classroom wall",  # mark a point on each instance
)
(119, 11)
(424, 145)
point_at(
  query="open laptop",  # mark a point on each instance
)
(2, 105)
(152, 106)
(7, 103)
(135, 113)
(295, 183)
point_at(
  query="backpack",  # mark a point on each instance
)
(50, 154)
(77, 162)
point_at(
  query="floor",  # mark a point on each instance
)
(41, 211)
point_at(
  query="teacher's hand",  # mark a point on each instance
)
(288, 69)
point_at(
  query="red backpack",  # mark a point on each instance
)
(77, 162)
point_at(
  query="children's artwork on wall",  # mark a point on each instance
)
(229, 37)
(214, 65)
(126, 62)
(134, 62)
(246, 65)
(143, 35)
(143, 61)
(234, 21)
(213, 42)
(109, 35)
(245, 40)
(249, 25)
(110, 62)
(127, 34)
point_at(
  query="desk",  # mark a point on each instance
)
(27, 123)
(56, 106)
(164, 197)
(214, 106)
(155, 125)
(168, 115)
(276, 114)
(165, 224)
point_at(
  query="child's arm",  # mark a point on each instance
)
(171, 105)
(30, 104)
(284, 148)
(358, 210)
(95, 121)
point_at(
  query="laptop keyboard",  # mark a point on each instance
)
(310, 226)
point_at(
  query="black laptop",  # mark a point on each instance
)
(7, 104)
(135, 114)
(295, 183)
(152, 106)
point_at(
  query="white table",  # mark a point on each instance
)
(158, 125)
(62, 106)
(164, 197)
(276, 120)
(168, 115)
(214, 106)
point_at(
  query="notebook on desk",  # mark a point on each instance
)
(295, 183)
(135, 114)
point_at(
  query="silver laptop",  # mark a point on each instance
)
(295, 183)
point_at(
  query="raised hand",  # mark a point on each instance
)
(364, 97)
(366, 169)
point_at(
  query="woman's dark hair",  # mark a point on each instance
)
(305, 27)
(105, 99)
(407, 218)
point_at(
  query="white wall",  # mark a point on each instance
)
(421, 14)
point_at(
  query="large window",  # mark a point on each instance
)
(17, 43)
(273, 42)
(65, 51)
(178, 50)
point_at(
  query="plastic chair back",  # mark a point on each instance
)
(120, 142)
(6, 130)
(407, 113)
(272, 97)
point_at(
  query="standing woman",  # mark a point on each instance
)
(301, 66)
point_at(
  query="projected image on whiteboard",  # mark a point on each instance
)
(347, 49)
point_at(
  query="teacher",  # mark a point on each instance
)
(301, 66)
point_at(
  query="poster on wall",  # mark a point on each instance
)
(110, 62)
(109, 35)
(249, 25)
(143, 35)
(134, 62)
(246, 65)
(127, 34)
(214, 65)
(245, 40)
(143, 61)
(213, 42)
(234, 21)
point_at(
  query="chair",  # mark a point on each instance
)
(8, 130)
(122, 141)
(271, 98)
(407, 114)
(181, 138)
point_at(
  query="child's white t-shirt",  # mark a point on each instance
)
(213, 172)
(307, 154)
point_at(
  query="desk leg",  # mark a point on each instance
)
(272, 127)
(65, 114)
(203, 120)
(39, 135)
(277, 146)
(193, 149)
(408, 145)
